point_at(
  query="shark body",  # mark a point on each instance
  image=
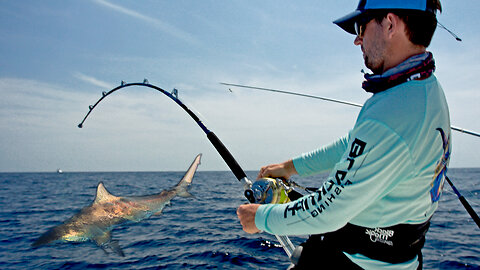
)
(96, 221)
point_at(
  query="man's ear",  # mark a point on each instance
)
(392, 24)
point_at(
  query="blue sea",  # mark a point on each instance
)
(193, 233)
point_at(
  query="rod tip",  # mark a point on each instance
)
(80, 125)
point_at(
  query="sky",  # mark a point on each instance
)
(58, 56)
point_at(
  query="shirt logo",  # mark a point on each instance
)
(441, 169)
(326, 195)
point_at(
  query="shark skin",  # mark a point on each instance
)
(96, 221)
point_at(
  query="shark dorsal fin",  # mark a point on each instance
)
(103, 195)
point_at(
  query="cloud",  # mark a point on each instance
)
(165, 27)
(134, 130)
(92, 80)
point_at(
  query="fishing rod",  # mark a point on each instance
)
(462, 130)
(219, 146)
(462, 199)
(465, 204)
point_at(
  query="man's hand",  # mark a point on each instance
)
(246, 215)
(284, 170)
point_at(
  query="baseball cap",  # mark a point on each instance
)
(347, 22)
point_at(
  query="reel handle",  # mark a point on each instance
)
(249, 195)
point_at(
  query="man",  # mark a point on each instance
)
(386, 175)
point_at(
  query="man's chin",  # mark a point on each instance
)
(374, 70)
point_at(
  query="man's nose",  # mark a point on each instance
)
(358, 40)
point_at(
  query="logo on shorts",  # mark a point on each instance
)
(380, 235)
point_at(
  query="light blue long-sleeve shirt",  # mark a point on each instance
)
(383, 173)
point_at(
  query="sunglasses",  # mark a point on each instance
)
(362, 22)
(360, 26)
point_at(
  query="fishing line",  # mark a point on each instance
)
(462, 130)
(462, 199)
(219, 146)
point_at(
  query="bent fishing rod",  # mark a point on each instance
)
(219, 146)
(462, 199)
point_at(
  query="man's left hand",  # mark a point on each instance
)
(246, 214)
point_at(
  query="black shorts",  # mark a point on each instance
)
(319, 254)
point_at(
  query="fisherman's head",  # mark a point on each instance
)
(389, 31)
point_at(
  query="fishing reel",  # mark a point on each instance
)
(270, 190)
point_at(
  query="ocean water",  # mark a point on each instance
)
(193, 233)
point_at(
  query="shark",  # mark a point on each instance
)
(95, 222)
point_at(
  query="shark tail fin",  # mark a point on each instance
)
(185, 194)
(182, 186)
